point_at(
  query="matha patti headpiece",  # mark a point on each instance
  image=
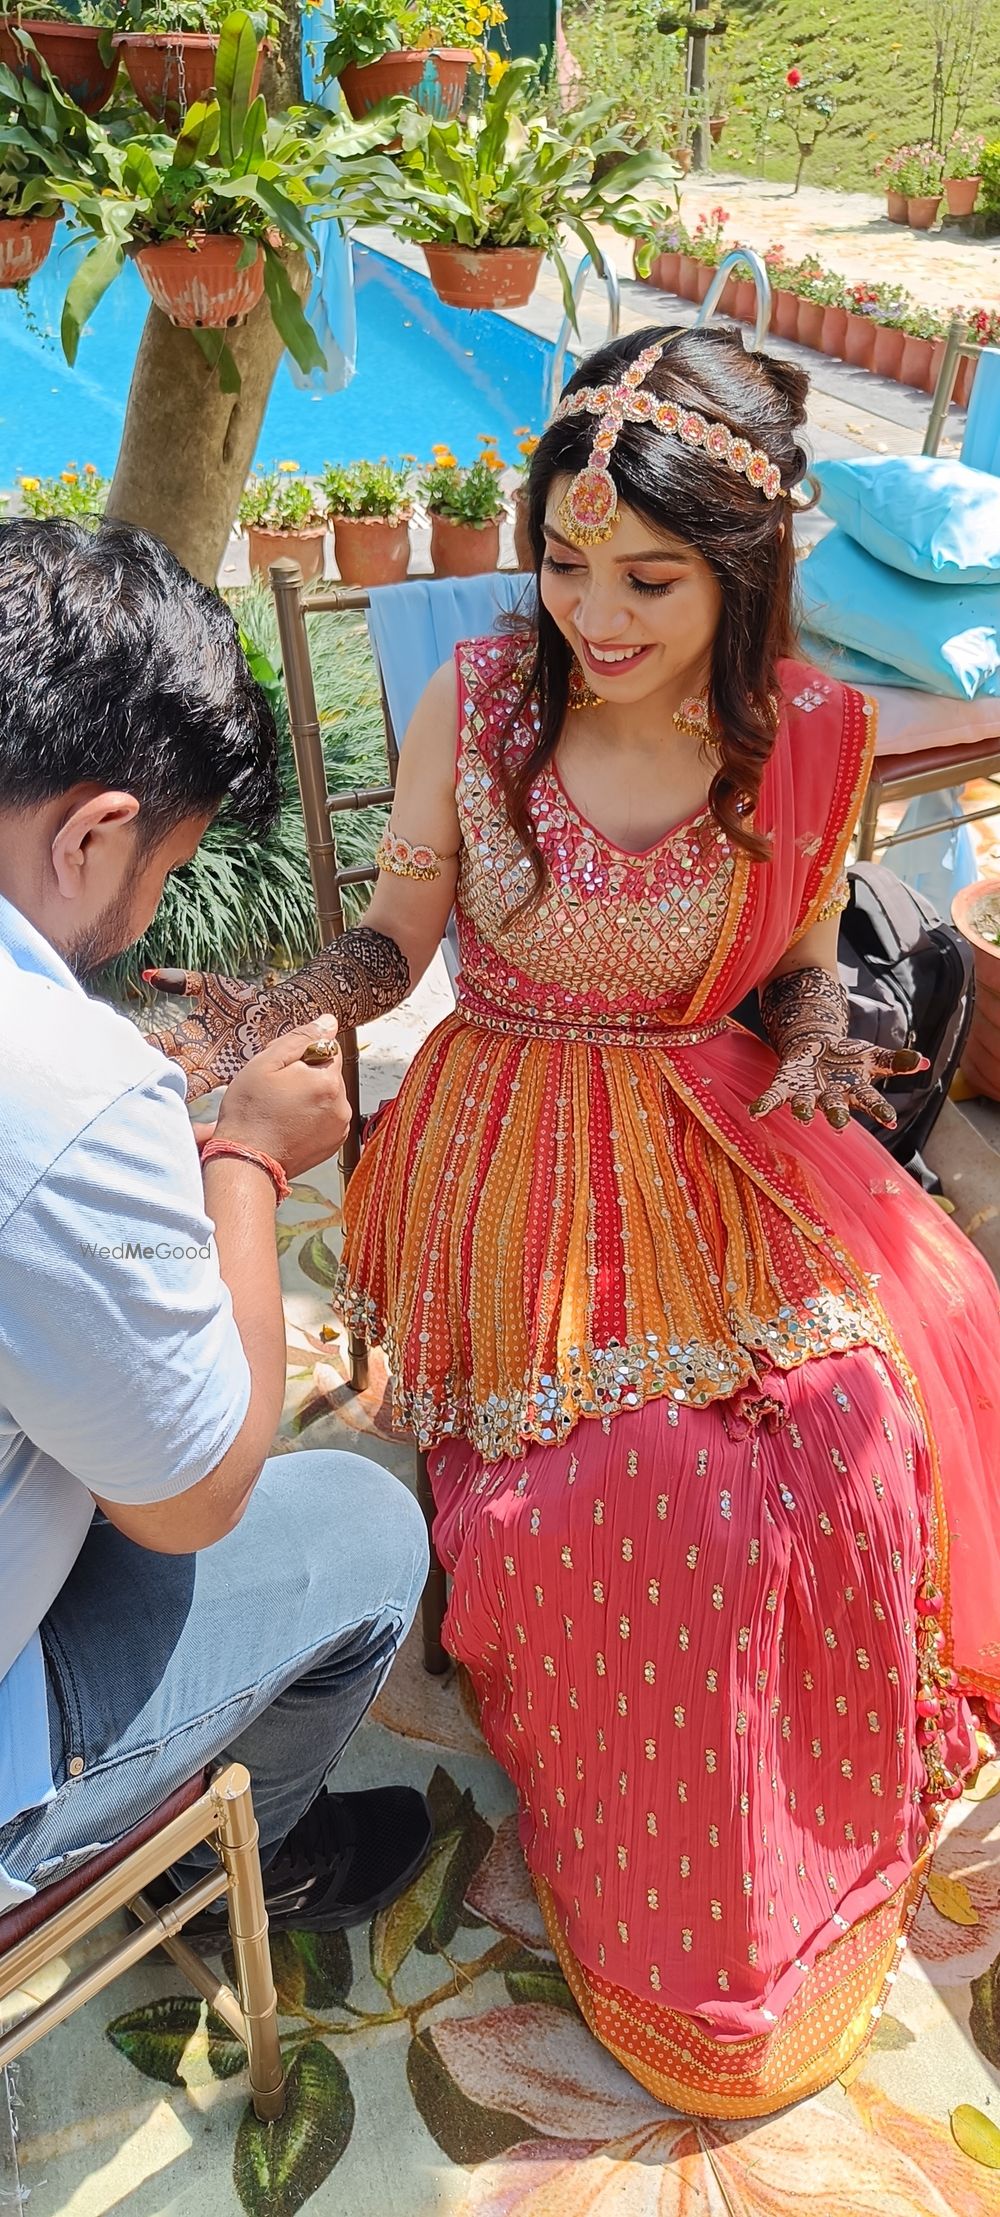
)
(588, 511)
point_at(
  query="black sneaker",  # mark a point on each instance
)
(349, 1856)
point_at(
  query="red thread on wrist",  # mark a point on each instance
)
(255, 1155)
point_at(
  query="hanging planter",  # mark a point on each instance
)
(24, 243)
(887, 352)
(307, 547)
(371, 550)
(895, 207)
(976, 912)
(463, 549)
(170, 70)
(197, 283)
(483, 276)
(71, 54)
(434, 77)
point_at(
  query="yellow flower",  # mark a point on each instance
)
(496, 68)
(69, 477)
(436, 450)
(446, 462)
(494, 461)
(527, 446)
(29, 484)
(485, 438)
(289, 468)
(90, 469)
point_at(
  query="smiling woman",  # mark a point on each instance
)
(690, 1408)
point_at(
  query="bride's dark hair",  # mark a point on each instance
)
(739, 534)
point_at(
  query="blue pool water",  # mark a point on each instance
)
(425, 373)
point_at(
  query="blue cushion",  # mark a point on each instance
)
(932, 519)
(851, 667)
(943, 637)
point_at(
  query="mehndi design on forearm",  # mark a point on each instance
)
(361, 976)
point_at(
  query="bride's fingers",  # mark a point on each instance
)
(188, 983)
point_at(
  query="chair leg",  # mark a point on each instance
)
(238, 1841)
(435, 1594)
(868, 821)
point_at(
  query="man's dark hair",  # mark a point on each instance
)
(117, 665)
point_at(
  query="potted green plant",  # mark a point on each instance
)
(421, 51)
(76, 493)
(488, 196)
(465, 507)
(170, 47)
(976, 912)
(921, 180)
(963, 171)
(706, 251)
(77, 49)
(921, 329)
(862, 303)
(207, 215)
(369, 508)
(812, 298)
(45, 158)
(894, 307)
(887, 175)
(834, 326)
(670, 242)
(282, 517)
(784, 302)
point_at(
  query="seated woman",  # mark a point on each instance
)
(709, 1386)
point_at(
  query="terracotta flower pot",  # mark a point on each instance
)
(729, 299)
(785, 315)
(665, 272)
(706, 279)
(434, 77)
(859, 341)
(688, 275)
(895, 207)
(810, 326)
(916, 362)
(683, 157)
(961, 194)
(921, 211)
(371, 550)
(976, 912)
(745, 308)
(70, 52)
(934, 365)
(887, 352)
(966, 379)
(306, 547)
(834, 331)
(716, 126)
(484, 277)
(24, 243)
(523, 550)
(169, 70)
(464, 549)
(196, 281)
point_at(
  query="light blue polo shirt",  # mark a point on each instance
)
(122, 1372)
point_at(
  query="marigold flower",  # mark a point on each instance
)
(29, 484)
(69, 477)
(289, 468)
(90, 469)
(527, 446)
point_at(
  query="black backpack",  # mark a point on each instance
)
(909, 979)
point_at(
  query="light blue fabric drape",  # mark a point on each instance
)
(330, 308)
(416, 626)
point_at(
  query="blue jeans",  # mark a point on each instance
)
(268, 1647)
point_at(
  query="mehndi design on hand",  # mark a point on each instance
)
(806, 1014)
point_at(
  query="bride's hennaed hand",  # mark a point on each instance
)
(805, 1015)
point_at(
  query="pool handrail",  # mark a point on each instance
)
(607, 270)
(762, 287)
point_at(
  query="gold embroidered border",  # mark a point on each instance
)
(837, 858)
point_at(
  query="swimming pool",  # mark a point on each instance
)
(425, 373)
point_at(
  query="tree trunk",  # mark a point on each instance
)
(186, 445)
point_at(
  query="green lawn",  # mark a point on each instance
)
(887, 102)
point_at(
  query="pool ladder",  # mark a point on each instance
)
(737, 255)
